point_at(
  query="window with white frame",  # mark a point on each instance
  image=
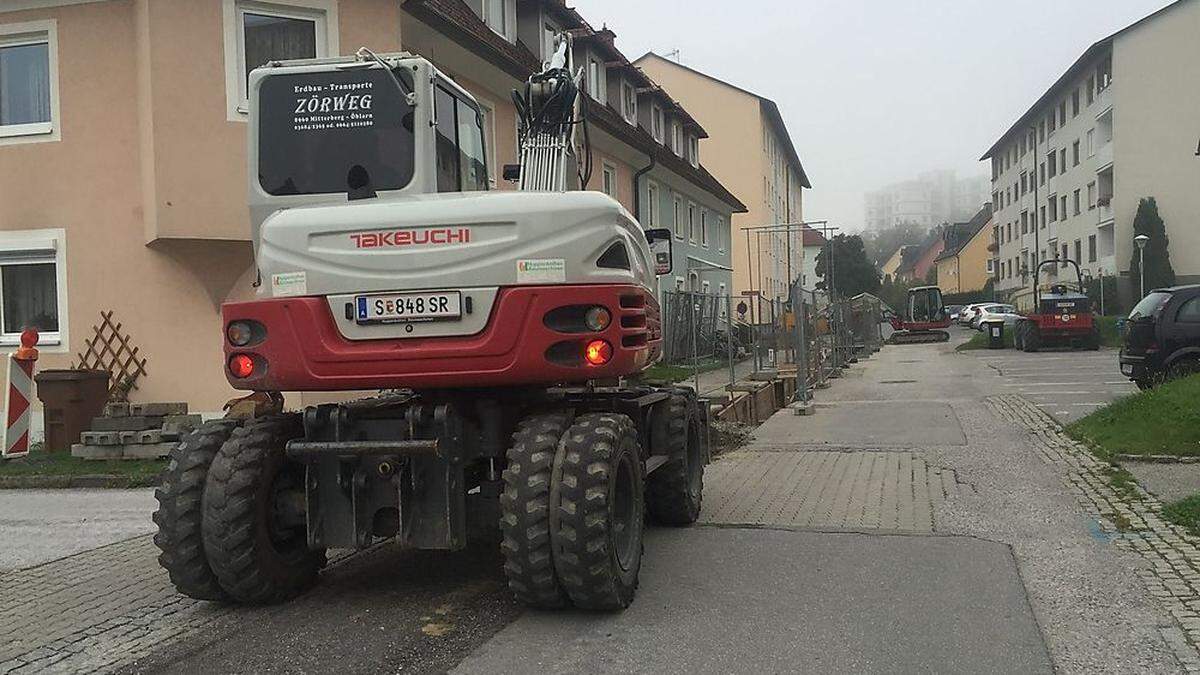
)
(28, 82)
(489, 136)
(32, 285)
(656, 122)
(595, 80)
(691, 216)
(1091, 142)
(704, 228)
(496, 16)
(693, 150)
(678, 217)
(677, 138)
(276, 31)
(629, 102)
(651, 205)
(722, 233)
(610, 181)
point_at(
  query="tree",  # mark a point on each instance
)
(853, 272)
(1159, 272)
(881, 244)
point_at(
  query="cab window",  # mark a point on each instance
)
(461, 161)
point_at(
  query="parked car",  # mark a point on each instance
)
(953, 310)
(1162, 336)
(968, 313)
(989, 314)
(979, 311)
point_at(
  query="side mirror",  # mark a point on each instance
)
(660, 249)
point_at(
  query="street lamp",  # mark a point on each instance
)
(1141, 240)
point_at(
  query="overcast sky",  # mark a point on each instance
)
(875, 91)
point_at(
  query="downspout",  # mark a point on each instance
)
(637, 187)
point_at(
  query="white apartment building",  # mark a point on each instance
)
(1119, 125)
(930, 199)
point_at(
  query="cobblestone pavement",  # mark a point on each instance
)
(1130, 518)
(93, 611)
(851, 490)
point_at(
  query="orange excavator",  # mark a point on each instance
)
(925, 318)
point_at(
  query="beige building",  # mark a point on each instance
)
(751, 152)
(1118, 126)
(965, 263)
(123, 160)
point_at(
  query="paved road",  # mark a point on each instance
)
(911, 524)
(1067, 384)
(37, 526)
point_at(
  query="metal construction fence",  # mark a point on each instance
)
(724, 338)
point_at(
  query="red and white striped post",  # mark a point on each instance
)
(20, 396)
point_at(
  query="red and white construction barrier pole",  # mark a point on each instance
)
(20, 396)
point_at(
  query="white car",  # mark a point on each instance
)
(990, 314)
(967, 314)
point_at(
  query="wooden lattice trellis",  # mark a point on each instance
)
(109, 349)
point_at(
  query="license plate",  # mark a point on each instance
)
(408, 307)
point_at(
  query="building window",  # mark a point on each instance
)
(677, 138)
(1062, 163)
(705, 287)
(678, 217)
(691, 221)
(1077, 203)
(693, 150)
(1062, 113)
(1044, 217)
(1091, 195)
(1075, 153)
(1024, 222)
(629, 102)
(1053, 163)
(33, 285)
(595, 85)
(1091, 89)
(1042, 177)
(1053, 122)
(722, 234)
(1078, 250)
(1065, 252)
(28, 82)
(496, 16)
(1091, 143)
(1063, 212)
(1075, 103)
(656, 122)
(267, 31)
(610, 181)
(1053, 208)
(1024, 183)
(1091, 248)
(704, 228)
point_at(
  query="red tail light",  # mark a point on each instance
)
(598, 352)
(241, 365)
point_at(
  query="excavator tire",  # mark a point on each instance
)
(525, 511)
(257, 558)
(675, 492)
(598, 507)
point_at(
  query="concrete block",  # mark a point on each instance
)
(84, 451)
(148, 450)
(100, 438)
(127, 437)
(802, 408)
(116, 409)
(149, 437)
(158, 409)
(139, 423)
(175, 427)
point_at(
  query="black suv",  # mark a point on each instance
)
(1162, 336)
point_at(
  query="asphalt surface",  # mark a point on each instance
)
(1067, 384)
(38, 526)
(717, 600)
(385, 610)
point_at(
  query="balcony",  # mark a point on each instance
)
(1104, 156)
(1105, 210)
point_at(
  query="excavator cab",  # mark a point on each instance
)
(925, 318)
